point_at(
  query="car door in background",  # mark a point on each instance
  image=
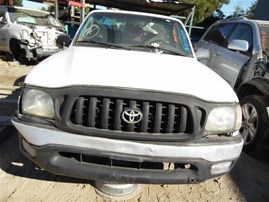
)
(224, 61)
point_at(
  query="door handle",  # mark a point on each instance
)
(218, 54)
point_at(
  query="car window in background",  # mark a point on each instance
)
(32, 17)
(197, 33)
(219, 34)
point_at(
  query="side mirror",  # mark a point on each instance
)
(202, 54)
(239, 45)
(63, 40)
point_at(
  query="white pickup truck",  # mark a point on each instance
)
(128, 102)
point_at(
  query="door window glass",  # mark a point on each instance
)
(219, 34)
(242, 32)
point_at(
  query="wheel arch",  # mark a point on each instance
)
(11, 41)
(254, 87)
(18, 50)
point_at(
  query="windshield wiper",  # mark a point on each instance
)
(163, 50)
(102, 44)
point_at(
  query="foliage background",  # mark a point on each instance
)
(205, 8)
(17, 2)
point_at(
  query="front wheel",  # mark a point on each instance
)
(254, 123)
(18, 53)
(15, 49)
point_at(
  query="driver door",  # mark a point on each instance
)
(225, 62)
(228, 63)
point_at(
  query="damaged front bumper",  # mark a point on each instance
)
(97, 158)
(37, 50)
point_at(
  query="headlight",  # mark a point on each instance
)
(25, 34)
(224, 119)
(37, 103)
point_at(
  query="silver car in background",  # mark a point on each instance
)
(28, 34)
(237, 49)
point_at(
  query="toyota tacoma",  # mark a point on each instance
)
(128, 102)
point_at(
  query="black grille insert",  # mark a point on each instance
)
(158, 117)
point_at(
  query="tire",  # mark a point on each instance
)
(18, 53)
(254, 123)
(22, 59)
(15, 49)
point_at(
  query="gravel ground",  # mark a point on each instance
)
(21, 180)
(12, 73)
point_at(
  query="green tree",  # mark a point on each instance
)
(250, 11)
(218, 15)
(16, 2)
(238, 11)
(205, 8)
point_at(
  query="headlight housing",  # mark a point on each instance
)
(25, 34)
(224, 119)
(37, 103)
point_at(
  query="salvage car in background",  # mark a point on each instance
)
(238, 51)
(28, 34)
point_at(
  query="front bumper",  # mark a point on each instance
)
(38, 51)
(98, 158)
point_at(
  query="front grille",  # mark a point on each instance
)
(102, 112)
(157, 117)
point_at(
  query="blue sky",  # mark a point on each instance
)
(229, 8)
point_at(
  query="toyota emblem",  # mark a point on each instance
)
(132, 116)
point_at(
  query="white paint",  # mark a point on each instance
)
(131, 69)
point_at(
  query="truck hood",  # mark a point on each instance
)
(130, 69)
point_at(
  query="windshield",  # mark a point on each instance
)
(32, 17)
(131, 31)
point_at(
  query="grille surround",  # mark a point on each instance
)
(65, 98)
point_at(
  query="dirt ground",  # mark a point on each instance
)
(21, 180)
(12, 73)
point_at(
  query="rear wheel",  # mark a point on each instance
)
(255, 122)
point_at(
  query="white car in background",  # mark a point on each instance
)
(28, 34)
